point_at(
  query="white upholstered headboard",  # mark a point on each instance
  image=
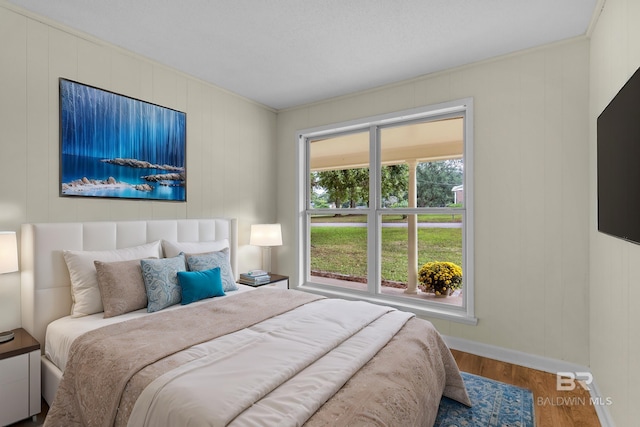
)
(45, 283)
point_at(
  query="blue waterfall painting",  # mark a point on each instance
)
(116, 146)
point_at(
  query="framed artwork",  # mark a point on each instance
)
(119, 147)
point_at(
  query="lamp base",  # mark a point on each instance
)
(266, 258)
(6, 336)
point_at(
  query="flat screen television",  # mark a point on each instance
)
(618, 142)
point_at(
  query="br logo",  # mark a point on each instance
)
(566, 381)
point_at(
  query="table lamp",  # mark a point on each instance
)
(8, 264)
(266, 235)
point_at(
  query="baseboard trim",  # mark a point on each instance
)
(602, 410)
(533, 361)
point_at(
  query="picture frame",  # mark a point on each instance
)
(115, 146)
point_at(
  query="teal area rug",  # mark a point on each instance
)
(494, 404)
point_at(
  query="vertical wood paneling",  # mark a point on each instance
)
(13, 161)
(231, 138)
(94, 68)
(633, 331)
(63, 62)
(532, 160)
(126, 75)
(216, 160)
(38, 149)
(433, 90)
(13, 110)
(575, 193)
(552, 184)
(503, 149)
(195, 129)
(250, 166)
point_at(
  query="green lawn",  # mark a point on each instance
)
(344, 250)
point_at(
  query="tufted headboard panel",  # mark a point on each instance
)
(45, 283)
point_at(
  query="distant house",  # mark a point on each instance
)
(458, 194)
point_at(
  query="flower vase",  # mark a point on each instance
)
(443, 295)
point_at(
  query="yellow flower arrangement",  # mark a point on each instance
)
(440, 277)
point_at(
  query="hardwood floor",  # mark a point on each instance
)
(553, 408)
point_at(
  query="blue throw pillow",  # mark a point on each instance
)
(161, 281)
(197, 285)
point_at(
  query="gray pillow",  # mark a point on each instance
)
(209, 260)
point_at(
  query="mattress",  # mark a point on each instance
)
(62, 332)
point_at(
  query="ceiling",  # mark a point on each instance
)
(284, 53)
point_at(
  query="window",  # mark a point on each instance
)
(381, 197)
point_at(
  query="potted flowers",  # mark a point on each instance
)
(440, 278)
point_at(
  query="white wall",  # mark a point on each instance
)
(531, 183)
(230, 141)
(614, 264)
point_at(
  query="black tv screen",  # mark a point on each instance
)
(618, 161)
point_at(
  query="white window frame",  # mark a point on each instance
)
(462, 107)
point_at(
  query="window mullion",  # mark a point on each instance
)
(375, 228)
(304, 242)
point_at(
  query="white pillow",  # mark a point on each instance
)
(172, 249)
(85, 292)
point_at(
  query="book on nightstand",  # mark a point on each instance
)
(255, 277)
(255, 273)
(6, 336)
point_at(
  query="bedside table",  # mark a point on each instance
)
(277, 281)
(19, 378)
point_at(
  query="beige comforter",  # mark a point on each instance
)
(108, 368)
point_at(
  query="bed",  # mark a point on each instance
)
(260, 356)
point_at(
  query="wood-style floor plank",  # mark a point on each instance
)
(553, 408)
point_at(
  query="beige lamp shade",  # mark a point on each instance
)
(266, 235)
(8, 252)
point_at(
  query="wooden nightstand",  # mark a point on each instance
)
(19, 378)
(277, 281)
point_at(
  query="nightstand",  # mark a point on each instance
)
(277, 281)
(19, 378)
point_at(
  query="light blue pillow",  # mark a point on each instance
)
(209, 260)
(197, 285)
(161, 281)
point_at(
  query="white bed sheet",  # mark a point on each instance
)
(62, 332)
(298, 370)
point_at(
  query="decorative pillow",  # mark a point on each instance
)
(121, 286)
(207, 261)
(161, 281)
(172, 249)
(197, 285)
(84, 281)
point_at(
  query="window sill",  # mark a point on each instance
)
(454, 314)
